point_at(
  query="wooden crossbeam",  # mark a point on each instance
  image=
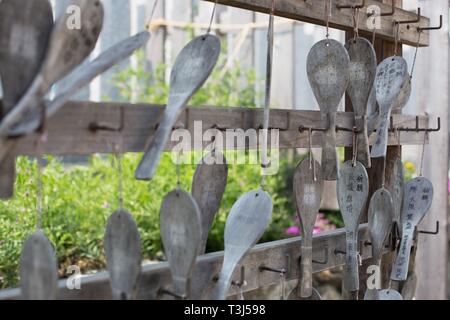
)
(69, 130)
(313, 11)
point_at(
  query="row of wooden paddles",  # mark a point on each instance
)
(185, 221)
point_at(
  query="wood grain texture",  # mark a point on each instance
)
(313, 12)
(69, 136)
(390, 81)
(380, 221)
(352, 192)
(363, 68)
(38, 269)
(192, 68)
(328, 69)
(208, 186)
(181, 235)
(308, 190)
(122, 244)
(248, 219)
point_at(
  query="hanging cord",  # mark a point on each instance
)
(355, 23)
(118, 156)
(374, 33)
(327, 16)
(264, 157)
(354, 146)
(415, 55)
(396, 38)
(212, 18)
(148, 23)
(312, 164)
(422, 158)
(39, 185)
(39, 193)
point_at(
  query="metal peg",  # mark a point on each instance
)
(436, 232)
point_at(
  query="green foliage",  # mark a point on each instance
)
(234, 87)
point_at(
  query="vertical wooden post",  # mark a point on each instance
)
(383, 49)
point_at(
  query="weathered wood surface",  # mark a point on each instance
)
(273, 254)
(180, 227)
(380, 221)
(192, 68)
(208, 186)
(81, 77)
(248, 220)
(363, 68)
(69, 129)
(25, 27)
(314, 12)
(392, 75)
(417, 202)
(38, 268)
(122, 244)
(308, 190)
(328, 69)
(352, 192)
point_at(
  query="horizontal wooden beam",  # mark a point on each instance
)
(69, 130)
(313, 11)
(278, 255)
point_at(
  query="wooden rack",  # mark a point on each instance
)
(77, 129)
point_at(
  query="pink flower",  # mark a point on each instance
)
(105, 205)
(292, 231)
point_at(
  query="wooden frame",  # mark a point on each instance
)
(71, 130)
(76, 130)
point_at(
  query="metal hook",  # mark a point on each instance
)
(337, 251)
(419, 29)
(241, 283)
(263, 267)
(419, 17)
(384, 14)
(436, 232)
(302, 128)
(98, 126)
(163, 291)
(351, 6)
(417, 127)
